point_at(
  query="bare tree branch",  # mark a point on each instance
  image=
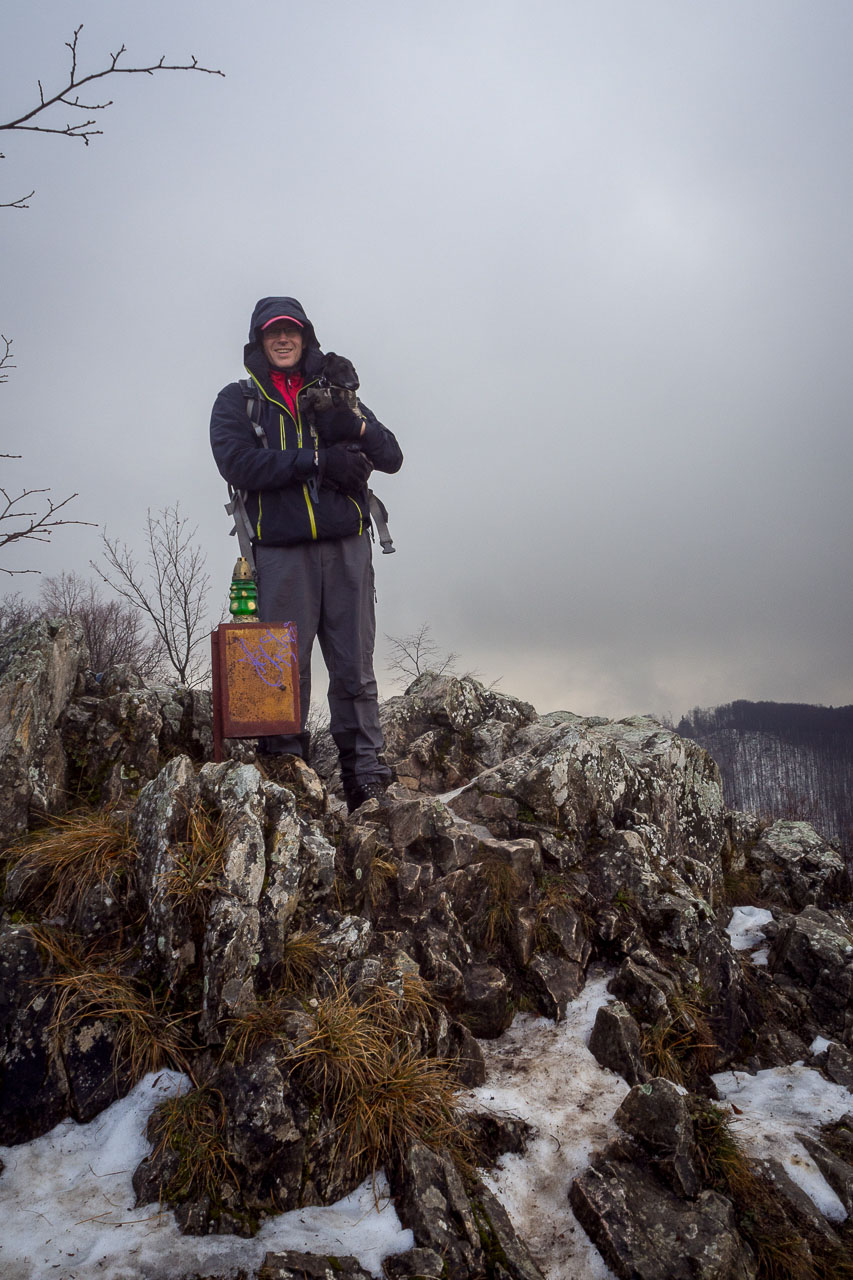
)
(19, 203)
(410, 656)
(84, 129)
(6, 363)
(171, 592)
(29, 526)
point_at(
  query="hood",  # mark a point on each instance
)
(267, 309)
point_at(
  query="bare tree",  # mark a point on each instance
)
(170, 589)
(16, 612)
(412, 655)
(20, 525)
(45, 112)
(114, 630)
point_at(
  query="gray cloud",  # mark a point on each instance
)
(594, 267)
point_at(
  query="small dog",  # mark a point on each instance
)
(336, 388)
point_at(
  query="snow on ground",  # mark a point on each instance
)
(543, 1072)
(66, 1207)
(746, 927)
(776, 1105)
(66, 1200)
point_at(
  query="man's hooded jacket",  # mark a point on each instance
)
(287, 499)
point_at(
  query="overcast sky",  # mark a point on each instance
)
(593, 262)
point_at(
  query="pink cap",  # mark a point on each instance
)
(292, 320)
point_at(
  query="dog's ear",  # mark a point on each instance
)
(340, 372)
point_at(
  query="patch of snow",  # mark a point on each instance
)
(67, 1208)
(447, 796)
(776, 1105)
(819, 1044)
(543, 1072)
(761, 956)
(746, 927)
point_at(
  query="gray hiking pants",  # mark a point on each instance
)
(326, 588)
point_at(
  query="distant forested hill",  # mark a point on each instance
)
(783, 759)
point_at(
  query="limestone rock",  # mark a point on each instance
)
(615, 1043)
(656, 1115)
(645, 1232)
(797, 866)
(292, 1265)
(33, 1084)
(815, 950)
(39, 667)
(431, 1201)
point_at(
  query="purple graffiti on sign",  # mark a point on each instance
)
(271, 655)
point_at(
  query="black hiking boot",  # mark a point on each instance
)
(358, 791)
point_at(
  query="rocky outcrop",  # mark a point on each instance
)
(314, 972)
(39, 670)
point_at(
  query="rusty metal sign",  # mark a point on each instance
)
(255, 680)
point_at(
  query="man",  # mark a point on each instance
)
(307, 501)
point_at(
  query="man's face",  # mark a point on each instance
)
(282, 343)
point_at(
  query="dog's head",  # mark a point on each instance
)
(338, 372)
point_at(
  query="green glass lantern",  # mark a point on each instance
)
(243, 593)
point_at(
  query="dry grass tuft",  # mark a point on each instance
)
(406, 1097)
(146, 1039)
(408, 1007)
(193, 1126)
(73, 855)
(301, 960)
(266, 1021)
(90, 987)
(197, 870)
(380, 1092)
(680, 1046)
(381, 873)
(503, 889)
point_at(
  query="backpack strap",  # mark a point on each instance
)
(236, 506)
(253, 409)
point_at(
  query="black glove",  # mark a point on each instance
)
(346, 466)
(337, 425)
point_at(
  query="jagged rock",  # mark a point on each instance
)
(300, 873)
(39, 668)
(494, 1134)
(797, 867)
(33, 1085)
(615, 1043)
(431, 1201)
(643, 983)
(95, 1077)
(553, 981)
(446, 729)
(265, 1142)
(815, 950)
(507, 1254)
(839, 1065)
(425, 830)
(804, 1207)
(161, 830)
(414, 1264)
(291, 1265)
(485, 1005)
(118, 738)
(232, 931)
(656, 1114)
(462, 1048)
(838, 1173)
(645, 1232)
